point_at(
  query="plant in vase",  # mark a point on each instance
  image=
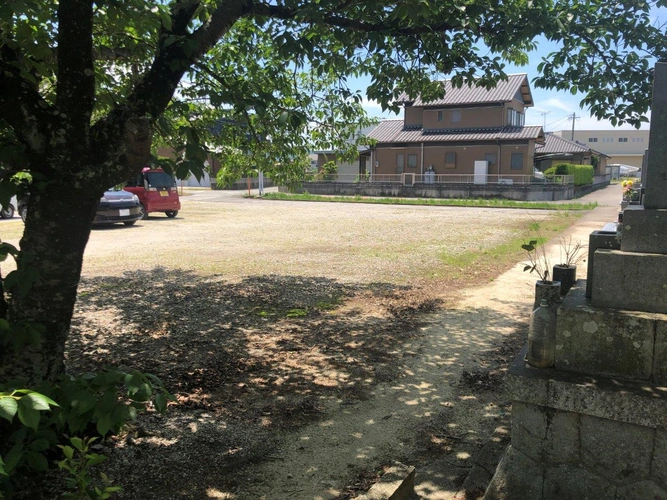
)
(628, 193)
(566, 271)
(545, 288)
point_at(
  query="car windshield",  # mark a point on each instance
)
(160, 180)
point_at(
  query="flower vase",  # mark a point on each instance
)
(550, 291)
(624, 204)
(567, 275)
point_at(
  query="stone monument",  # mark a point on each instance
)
(595, 425)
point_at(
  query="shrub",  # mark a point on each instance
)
(583, 174)
(61, 411)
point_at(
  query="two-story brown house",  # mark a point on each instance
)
(468, 124)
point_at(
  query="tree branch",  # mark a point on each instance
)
(21, 105)
(332, 19)
(75, 90)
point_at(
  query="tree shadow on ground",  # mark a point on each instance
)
(246, 360)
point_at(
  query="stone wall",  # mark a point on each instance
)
(519, 192)
(576, 437)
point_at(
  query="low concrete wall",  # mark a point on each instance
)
(519, 192)
(242, 184)
(601, 183)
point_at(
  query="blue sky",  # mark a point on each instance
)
(557, 105)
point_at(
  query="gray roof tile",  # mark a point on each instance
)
(554, 145)
(504, 91)
(393, 131)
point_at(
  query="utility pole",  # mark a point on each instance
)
(544, 119)
(574, 117)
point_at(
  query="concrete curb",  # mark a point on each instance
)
(483, 469)
(398, 483)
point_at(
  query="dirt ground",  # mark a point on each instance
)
(308, 345)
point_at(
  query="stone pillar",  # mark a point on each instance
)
(656, 171)
(595, 425)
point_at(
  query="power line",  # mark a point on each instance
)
(544, 116)
(559, 121)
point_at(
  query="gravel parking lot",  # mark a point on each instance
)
(239, 237)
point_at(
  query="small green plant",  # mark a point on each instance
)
(297, 313)
(90, 403)
(538, 260)
(569, 251)
(78, 462)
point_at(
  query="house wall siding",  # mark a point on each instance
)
(413, 116)
(387, 159)
(466, 155)
(487, 116)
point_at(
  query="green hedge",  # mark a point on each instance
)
(583, 174)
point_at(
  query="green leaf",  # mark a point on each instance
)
(38, 401)
(77, 442)
(68, 451)
(104, 424)
(40, 445)
(94, 459)
(27, 414)
(37, 461)
(8, 407)
(160, 402)
(166, 19)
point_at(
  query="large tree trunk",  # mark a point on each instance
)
(57, 229)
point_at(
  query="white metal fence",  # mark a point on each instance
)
(409, 179)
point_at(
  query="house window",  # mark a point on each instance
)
(456, 115)
(450, 159)
(412, 161)
(622, 139)
(440, 116)
(491, 158)
(592, 139)
(400, 163)
(514, 118)
(517, 161)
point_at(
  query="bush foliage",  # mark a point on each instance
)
(583, 174)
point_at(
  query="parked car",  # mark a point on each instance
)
(157, 192)
(114, 207)
(118, 206)
(7, 212)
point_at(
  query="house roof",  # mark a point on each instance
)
(393, 131)
(504, 91)
(554, 144)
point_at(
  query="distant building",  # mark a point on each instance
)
(557, 149)
(622, 146)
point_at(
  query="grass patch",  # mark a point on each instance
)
(445, 202)
(509, 251)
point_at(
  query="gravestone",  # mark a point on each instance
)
(595, 425)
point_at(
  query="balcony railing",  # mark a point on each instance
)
(409, 179)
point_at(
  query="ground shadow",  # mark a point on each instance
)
(246, 360)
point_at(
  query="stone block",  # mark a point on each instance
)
(517, 476)
(656, 168)
(644, 230)
(659, 464)
(568, 482)
(631, 401)
(545, 434)
(660, 353)
(599, 341)
(598, 239)
(640, 490)
(619, 452)
(630, 280)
